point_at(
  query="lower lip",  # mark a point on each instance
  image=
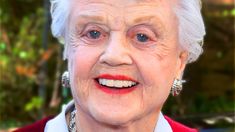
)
(114, 91)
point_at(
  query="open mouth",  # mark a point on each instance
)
(115, 84)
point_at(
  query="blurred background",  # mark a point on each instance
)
(31, 66)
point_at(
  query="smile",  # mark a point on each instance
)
(115, 84)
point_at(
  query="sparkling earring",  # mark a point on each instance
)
(65, 80)
(177, 87)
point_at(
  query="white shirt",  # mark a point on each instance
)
(58, 124)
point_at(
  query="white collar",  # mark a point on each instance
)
(162, 124)
(59, 122)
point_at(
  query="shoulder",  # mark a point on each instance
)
(35, 127)
(50, 123)
(178, 127)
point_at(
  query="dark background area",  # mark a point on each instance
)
(31, 65)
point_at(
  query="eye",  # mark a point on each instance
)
(93, 34)
(142, 34)
(142, 37)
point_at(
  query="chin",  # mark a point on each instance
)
(113, 116)
(113, 119)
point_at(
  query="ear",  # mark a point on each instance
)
(181, 63)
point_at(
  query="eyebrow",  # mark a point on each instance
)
(83, 18)
(144, 18)
(88, 17)
(148, 19)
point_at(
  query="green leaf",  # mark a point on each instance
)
(233, 12)
(23, 55)
(34, 103)
(4, 60)
(2, 46)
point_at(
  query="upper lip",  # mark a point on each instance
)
(116, 77)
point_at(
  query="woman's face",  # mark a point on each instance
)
(123, 57)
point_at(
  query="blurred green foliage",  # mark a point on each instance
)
(35, 103)
(210, 87)
(21, 57)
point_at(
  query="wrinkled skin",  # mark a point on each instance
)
(154, 61)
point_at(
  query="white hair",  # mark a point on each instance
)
(191, 25)
(59, 13)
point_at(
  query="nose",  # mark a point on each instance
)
(116, 52)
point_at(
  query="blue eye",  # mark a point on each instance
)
(94, 34)
(142, 37)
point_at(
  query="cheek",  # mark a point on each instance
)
(81, 63)
(158, 79)
(83, 60)
(157, 75)
(157, 71)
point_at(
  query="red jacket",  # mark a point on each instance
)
(40, 125)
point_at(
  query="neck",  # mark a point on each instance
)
(86, 123)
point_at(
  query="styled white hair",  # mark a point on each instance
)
(59, 13)
(191, 25)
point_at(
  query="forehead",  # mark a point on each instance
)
(122, 2)
(130, 11)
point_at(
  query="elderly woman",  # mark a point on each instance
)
(124, 58)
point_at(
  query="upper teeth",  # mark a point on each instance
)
(116, 83)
